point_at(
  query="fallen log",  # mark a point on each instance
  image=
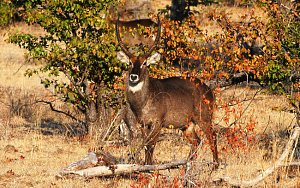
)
(118, 169)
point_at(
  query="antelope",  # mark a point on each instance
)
(185, 104)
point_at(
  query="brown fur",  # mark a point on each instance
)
(157, 103)
(184, 104)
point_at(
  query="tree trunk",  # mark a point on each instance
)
(91, 114)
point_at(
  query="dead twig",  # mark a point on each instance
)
(111, 128)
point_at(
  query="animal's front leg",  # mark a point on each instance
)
(150, 135)
(131, 122)
(149, 149)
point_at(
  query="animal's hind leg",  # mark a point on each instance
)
(212, 140)
(193, 139)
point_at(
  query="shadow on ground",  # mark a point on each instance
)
(52, 127)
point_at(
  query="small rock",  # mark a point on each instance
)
(10, 149)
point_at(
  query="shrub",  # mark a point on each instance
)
(80, 46)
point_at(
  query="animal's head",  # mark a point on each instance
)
(137, 64)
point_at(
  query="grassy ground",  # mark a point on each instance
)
(31, 158)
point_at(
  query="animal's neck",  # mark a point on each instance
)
(136, 88)
(137, 95)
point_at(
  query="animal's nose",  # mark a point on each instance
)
(134, 77)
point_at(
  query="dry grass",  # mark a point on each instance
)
(235, 14)
(12, 61)
(29, 158)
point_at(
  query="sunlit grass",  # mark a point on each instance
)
(30, 159)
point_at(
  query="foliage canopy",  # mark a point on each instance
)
(79, 45)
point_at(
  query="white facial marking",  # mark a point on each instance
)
(136, 88)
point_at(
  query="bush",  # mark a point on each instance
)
(80, 46)
(6, 13)
(10, 12)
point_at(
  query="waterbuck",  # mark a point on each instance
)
(185, 104)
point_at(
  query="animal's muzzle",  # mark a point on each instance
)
(134, 78)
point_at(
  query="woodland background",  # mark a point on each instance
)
(73, 88)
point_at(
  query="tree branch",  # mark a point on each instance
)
(76, 85)
(56, 110)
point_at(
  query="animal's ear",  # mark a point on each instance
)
(123, 57)
(153, 59)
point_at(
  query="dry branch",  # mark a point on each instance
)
(89, 166)
(51, 105)
(279, 163)
(111, 128)
(121, 169)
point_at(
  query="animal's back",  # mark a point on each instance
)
(180, 100)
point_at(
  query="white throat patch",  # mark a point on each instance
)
(136, 88)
